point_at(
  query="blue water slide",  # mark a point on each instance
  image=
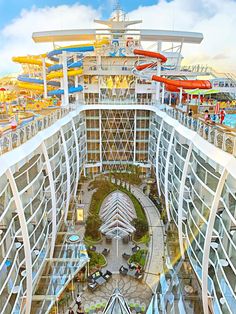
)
(71, 65)
(27, 79)
(61, 91)
(70, 49)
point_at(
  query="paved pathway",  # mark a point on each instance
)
(156, 244)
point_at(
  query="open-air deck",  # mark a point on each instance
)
(216, 134)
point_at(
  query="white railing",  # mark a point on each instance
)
(13, 139)
(109, 101)
(213, 133)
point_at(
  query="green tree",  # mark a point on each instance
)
(141, 227)
(93, 224)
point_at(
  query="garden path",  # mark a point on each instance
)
(156, 244)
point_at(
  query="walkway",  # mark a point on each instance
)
(156, 244)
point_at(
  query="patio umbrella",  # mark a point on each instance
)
(202, 91)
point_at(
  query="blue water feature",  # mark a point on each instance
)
(230, 120)
(74, 238)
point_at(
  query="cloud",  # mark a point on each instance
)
(215, 19)
(16, 38)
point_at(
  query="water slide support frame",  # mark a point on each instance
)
(45, 89)
(170, 99)
(158, 72)
(65, 79)
(76, 58)
(180, 95)
(163, 94)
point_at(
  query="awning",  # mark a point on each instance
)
(202, 91)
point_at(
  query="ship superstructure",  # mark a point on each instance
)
(110, 118)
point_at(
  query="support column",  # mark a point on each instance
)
(170, 99)
(76, 58)
(208, 237)
(167, 172)
(65, 79)
(100, 137)
(77, 156)
(157, 156)
(45, 90)
(135, 135)
(180, 200)
(68, 173)
(26, 241)
(158, 73)
(163, 94)
(53, 198)
(180, 95)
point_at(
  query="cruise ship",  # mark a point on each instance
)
(115, 83)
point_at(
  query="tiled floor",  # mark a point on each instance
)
(131, 289)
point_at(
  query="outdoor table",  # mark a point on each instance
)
(96, 275)
(131, 272)
(100, 280)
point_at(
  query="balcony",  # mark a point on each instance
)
(222, 137)
(10, 140)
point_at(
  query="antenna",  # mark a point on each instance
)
(117, 9)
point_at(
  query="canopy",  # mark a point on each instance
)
(202, 91)
(153, 306)
(117, 304)
(117, 214)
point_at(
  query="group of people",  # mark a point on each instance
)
(215, 118)
(78, 302)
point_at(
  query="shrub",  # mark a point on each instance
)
(141, 227)
(139, 257)
(96, 259)
(93, 224)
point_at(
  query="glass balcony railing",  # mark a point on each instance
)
(11, 140)
(218, 136)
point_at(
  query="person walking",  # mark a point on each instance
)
(222, 115)
(78, 300)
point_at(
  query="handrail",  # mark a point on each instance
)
(13, 139)
(213, 133)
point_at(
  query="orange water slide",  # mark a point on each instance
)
(173, 85)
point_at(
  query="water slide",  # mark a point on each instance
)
(171, 85)
(55, 71)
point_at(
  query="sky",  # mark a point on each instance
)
(216, 19)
